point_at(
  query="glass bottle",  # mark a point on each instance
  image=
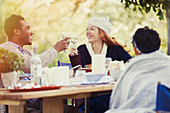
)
(36, 67)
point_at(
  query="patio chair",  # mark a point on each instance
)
(163, 98)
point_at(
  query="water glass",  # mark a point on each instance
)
(107, 64)
(80, 75)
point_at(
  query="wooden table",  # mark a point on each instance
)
(52, 99)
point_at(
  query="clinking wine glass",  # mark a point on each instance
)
(76, 59)
(74, 39)
(65, 35)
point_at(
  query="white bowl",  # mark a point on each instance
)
(91, 77)
(115, 74)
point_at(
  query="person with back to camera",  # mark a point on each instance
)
(99, 42)
(135, 91)
(19, 34)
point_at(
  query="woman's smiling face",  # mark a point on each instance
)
(92, 34)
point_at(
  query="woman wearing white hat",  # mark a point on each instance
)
(99, 42)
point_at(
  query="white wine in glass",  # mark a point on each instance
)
(65, 35)
(74, 39)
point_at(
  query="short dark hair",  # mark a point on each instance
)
(12, 23)
(147, 40)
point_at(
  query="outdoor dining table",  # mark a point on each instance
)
(52, 99)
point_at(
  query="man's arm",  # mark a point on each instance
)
(46, 57)
(49, 55)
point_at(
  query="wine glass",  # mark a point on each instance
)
(65, 35)
(74, 39)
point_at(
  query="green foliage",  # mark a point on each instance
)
(158, 6)
(9, 61)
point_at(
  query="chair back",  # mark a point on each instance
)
(162, 98)
(64, 64)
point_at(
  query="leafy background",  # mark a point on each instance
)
(48, 18)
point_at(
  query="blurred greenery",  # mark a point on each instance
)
(10, 61)
(48, 18)
(158, 6)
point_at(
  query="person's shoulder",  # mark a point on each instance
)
(82, 46)
(6, 45)
(9, 47)
(115, 47)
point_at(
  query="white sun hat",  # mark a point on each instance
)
(102, 23)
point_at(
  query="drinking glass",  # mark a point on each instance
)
(74, 39)
(75, 61)
(107, 64)
(65, 35)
